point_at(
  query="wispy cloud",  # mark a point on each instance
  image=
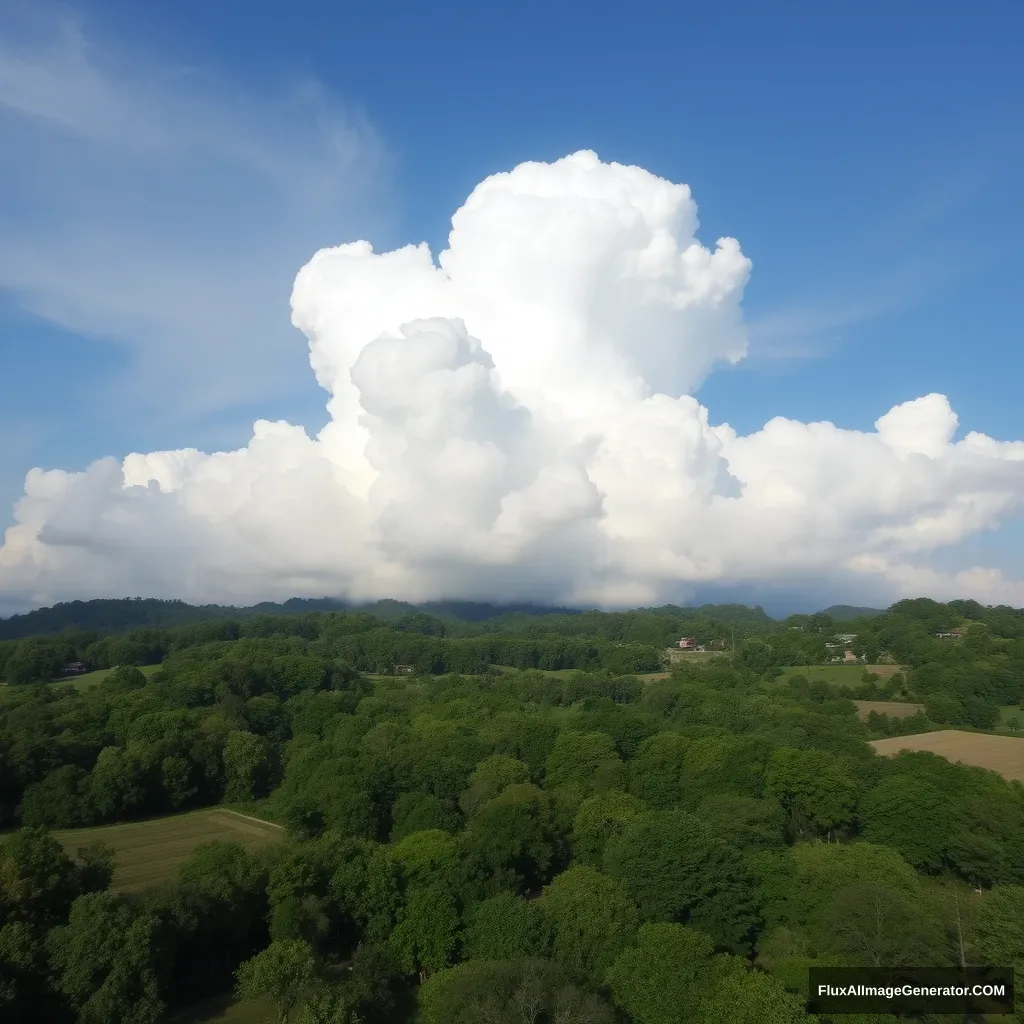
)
(814, 326)
(160, 206)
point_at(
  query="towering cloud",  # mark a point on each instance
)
(515, 420)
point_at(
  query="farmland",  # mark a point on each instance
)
(841, 675)
(1009, 714)
(150, 852)
(568, 673)
(1002, 754)
(892, 708)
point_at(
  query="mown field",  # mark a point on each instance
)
(841, 675)
(892, 708)
(150, 852)
(1002, 754)
(81, 683)
(1008, 713)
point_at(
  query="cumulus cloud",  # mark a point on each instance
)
(516, 420)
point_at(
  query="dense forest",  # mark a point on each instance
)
(512, 815)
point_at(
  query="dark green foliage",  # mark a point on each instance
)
(508, 992)
(107, 961)
(506, 845)
(503, 927)
(599, 819)
(513, 840)
(591, 920)
(677, 869)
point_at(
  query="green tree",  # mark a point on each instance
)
(417, 812)
(176, 778)
(503, 927)
(901, 812)
(999, 927)
(427, 857)
(490, 778)
(744, 822)
(427, 935)
(676, 869)
(283, 973)
(742, 996)
(599, 818)
(591, 920)
(881, 926)
(117, 785)
(657, 770)
(514, 839)
(38, 880)
(584, 763)
(508, 992)
(107, 961)
(60, 800)
(658, 980)
(246, 765)
(813, 789)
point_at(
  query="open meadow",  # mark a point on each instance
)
(88, 680)
(841, 675)
(892, 708)
(1011, 715)
(1002, 754)
(150, 852)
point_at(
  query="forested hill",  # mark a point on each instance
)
(465, 618)
(121, 614)
(846, 612)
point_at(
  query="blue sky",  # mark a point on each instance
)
(867, 156)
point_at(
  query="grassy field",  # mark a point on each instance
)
(150, 852)
(840, 675)
(225, 1010)
(565, 673)
(90, 679)
(892, 708)
(1008, 712)
(1002, 754)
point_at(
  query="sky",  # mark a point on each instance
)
(590, 398)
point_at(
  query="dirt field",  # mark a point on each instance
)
(892, 708)
(1002, 754)
(150, 852)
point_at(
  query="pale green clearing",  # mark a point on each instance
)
(840, 675)
(225, 1010)
(1008, 712)
(150, 852)
(91, 679)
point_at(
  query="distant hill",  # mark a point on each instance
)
(846, 612)
(116, 615)
(119, 615)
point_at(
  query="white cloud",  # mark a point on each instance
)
(514, 420)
